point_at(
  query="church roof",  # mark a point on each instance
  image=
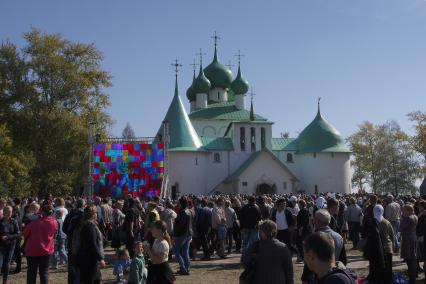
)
(217, 143)
(223, 111)
(182, 135)
(283, 144)
(236, 174)
(320, 136)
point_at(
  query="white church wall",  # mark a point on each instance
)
(216, 171)
(293, 166)
(218, 95)
(188, 170)
(329, 171)
(263, 170)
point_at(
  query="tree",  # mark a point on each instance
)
(418, 141)
(128, 132)
(13, 172)
(383, 158)
(49, 92)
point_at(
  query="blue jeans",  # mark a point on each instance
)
(59, 251)
(248, 236)
(6, 254)
(181, 251)
(395, 226)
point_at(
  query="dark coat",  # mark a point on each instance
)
(273, 262)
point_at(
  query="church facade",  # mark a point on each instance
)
(223, 146)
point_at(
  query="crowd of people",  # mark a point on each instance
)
(267, 230)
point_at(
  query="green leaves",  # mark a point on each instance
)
(49, 91)
(384, 159)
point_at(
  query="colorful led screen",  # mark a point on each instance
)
(119, 169)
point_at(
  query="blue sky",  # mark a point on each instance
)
(365, 58)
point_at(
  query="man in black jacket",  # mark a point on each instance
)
(250, 217)
(285, 221)
(71, 222)
(182, 236)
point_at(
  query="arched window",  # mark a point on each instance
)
(316, 189)
(242, 138)
(290, 158)
(314, 154)
(216, 158)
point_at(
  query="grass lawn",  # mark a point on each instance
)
(214, 271)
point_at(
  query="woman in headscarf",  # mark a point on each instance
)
(378, 250)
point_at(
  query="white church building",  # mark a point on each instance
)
(221, 146)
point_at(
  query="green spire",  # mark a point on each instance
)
(252, 117)
(182, 135)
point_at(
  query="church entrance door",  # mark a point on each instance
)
(265, 188)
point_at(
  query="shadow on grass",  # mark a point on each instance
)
(214, 267)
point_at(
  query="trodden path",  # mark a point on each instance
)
(215, 271)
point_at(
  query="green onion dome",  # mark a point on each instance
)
(218, 74)
(321, 136)
(201, 83)
(240, 86)
(190, 92)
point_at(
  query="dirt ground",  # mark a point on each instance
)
(214, 271)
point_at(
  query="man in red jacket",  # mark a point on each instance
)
(39, 238)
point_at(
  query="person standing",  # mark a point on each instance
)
(231, 222)
(107, 211)
(250, 217)
(272, 258)
(218, 225)
(39, 239)
(378, 250)
(71, 223)
(159, 271)
(393, 215)
(236, 231)
(353, 216)
(9, 233)
(304, 228)
(60, 240)
(284, 220)
(182, 236)
(132, 225)
(88, 248)
(117, 223)
(203, 223)
(409, 241)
